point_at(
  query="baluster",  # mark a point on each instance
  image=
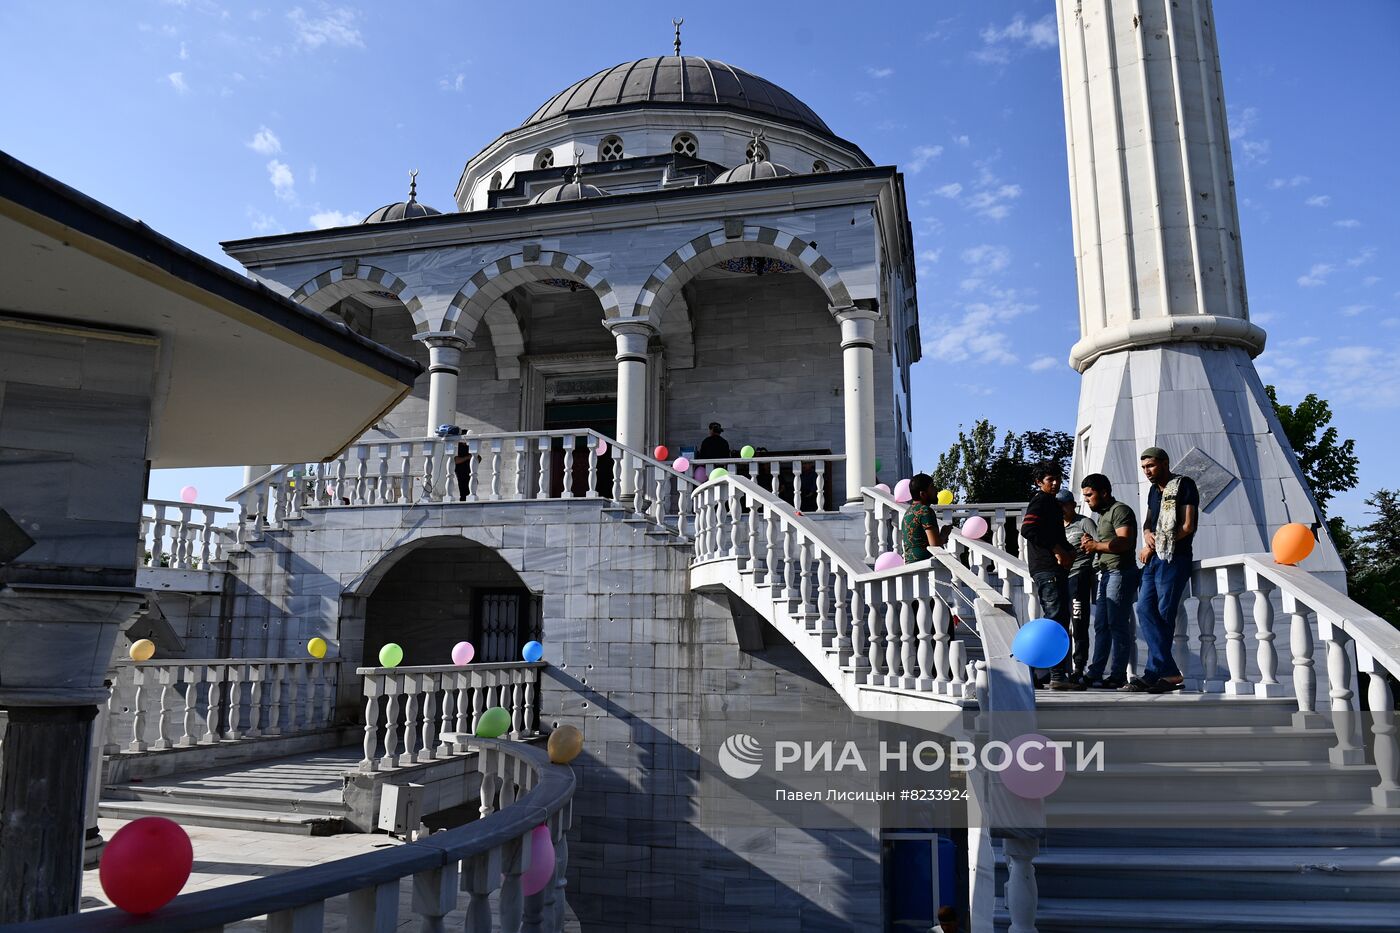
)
(942, 638)
(392, 688)
(206, 539)
(592, 467)
(860, 658)
(138, 743)
(213, 675)
(167, 677)
(478, 701)
(511, 901)
(289, 696)
(979, 679)
(180, 543)
(435, 896)
(658, 499)
(1032, 597)
(842, 621)
(999, 529)
(517, 708)
(805, 607)
(428, 684)
(405, 477)
(874, 631)
(433, 453)
(870, 533)
(275, 675)
(735, 518)
(1022, 895)
(1205, 625)
(821, 485)
(825, 624)
(561, 865)
(361, 490)
(142, 537)
(617, 465)
(110, 746)
(480, 876)
(791, 563)
(531, 724)
(443, 746)
(957, 669)
(639, 497)
(893, 609)
(570, 442)
(908, 641)
(546, 464)
(1301, 648)
(374, 684)
(924, 621)
(460, 680)
(296, 489)
(310, 670)
(235, 700)
(1268, 685)
(193, 677)
(411, 752)
(521, 465)
(1229, 581)
(1348, 750)
(497, 465)
(882, 530)
(158, 537)
(1381, 702)
(374, 909)
(329, 679)
(469, 494)
(255, 673)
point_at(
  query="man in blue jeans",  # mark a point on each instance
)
(1112, 545)
(1048, 558)
(1173, 507)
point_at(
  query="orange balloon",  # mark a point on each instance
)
(1292, 543)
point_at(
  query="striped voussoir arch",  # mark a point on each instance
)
(705, 250)
(496, 278)
(372, 277)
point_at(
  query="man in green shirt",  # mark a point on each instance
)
(1112, 546)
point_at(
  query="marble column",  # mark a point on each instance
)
(444, 365)
(858, 360)
(632, 339)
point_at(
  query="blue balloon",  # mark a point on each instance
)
(1040, 643)
(532, 651)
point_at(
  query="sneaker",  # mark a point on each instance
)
(1164, 685)
(1136, 685)
(1061, 682)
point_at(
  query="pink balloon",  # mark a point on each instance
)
(541, 870)
(975, 527)
(701, 474)
(888, 560)
(1042, 772)
(681, 464)
(901, 491)
(462, 653)
(883, 488)
(602, 447)
(189, 494)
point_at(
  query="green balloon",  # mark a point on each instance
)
(718, 473)
(879, 464)
(494, 723)
(391, 655)
(747, 452)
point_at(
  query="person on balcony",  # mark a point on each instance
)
(919, 530)
(714, 446)
(1048, 557)
(1112, 546)
(807, 486)
(1081, 582)
(1173, 504)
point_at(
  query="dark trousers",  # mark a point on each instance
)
(1081, 600)
(1052, 589)
(1163, 584)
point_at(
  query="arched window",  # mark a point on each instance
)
(757, 151)
(545, 159)
(610, 149)
(685, 144)
(819, 166)
(495, 184)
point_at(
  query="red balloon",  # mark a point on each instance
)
(145, 864)
(661, 452)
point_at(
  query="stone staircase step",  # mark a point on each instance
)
(1359, 834)
(224, 799)
(1316, 817)
(1217, 916)
(1197, 743)
(1099, 708)
(303, 824)
(1190, 781)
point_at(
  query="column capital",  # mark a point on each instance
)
(853, 313)
(632, 335)
(443, 339)
(857, 327)
(636, 326)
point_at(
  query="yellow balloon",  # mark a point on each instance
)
(564, 744)
(142, 650)
(316, 647)
(945, 497)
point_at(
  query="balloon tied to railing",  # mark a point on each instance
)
(145, 864)
(681, 465)
(888, 561)
(975, 527)
(317, 647)
(189, 494)
(1040, 643)
(142, 650)
(945, 497)
(1293, 543)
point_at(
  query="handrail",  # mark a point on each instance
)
(435, 863)
(181, 504)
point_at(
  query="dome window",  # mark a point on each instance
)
(818, 167)
(495, 184)
(545, 159)
(610, 149)
(757, 151)
(685, 144)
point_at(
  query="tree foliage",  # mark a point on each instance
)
(1328, 464)
(978, 469)
(1371, 553)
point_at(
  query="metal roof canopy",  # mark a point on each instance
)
(245, 375)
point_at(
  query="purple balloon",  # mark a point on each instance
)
(1036, 770)
(462, 653)
(701, 474)
(541, 870)
(888, 560)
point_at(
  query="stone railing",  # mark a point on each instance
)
(520, 790)
(883, 516)
(517, 467)
(783, 476)
(1357, 642)
(421, 706)
(187, 702)
(172, 537)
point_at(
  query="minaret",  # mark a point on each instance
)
(1166, 345)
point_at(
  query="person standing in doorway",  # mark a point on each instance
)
(1173, 506)
(1048, 557)
(1081, 584)
(1112, 547)
(714, 446)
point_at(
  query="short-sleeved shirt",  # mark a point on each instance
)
(1118, 515)
(1075, 532)
(1186, 494)
(914, 531)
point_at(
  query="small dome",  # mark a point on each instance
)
(403, 210)
(752, 171)
(570, 191)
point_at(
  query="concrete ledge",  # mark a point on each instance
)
(136, 766)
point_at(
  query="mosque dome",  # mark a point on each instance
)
(685, 81)
(752, 171)
(403, 210)
(570, 191)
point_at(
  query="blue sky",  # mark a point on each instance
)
(213, 121)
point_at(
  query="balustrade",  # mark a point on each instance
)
(814, 490)
(173, 538)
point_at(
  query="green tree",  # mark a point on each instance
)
(1328, 463)
(1372, 556)
(978, 469)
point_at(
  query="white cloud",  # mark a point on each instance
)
(283, 184)
(263, 223)
(1317, 275)
(963, 141)
(987, 259)
(177, 81)
(333, 27)
(997, 44)
(1293, 182)
(1349, 223)
(455, 83)
(930, 255)
(1319, 200)
(1262, 317)
(993, 202)
(1354, 310)
(1360, 259)
(951, 190)
(1251, 149)
(323, 220)
(265, 142)
(878, 72)
(184, 53)
(1041, 363)
(1370, 280)
(923, 155)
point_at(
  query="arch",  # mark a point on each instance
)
(610, 149)
(417, 537)
(323, 291)
(684, 264)
(493, 280)
(507, 338)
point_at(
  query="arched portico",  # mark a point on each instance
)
(470, 305)
(351, 277)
